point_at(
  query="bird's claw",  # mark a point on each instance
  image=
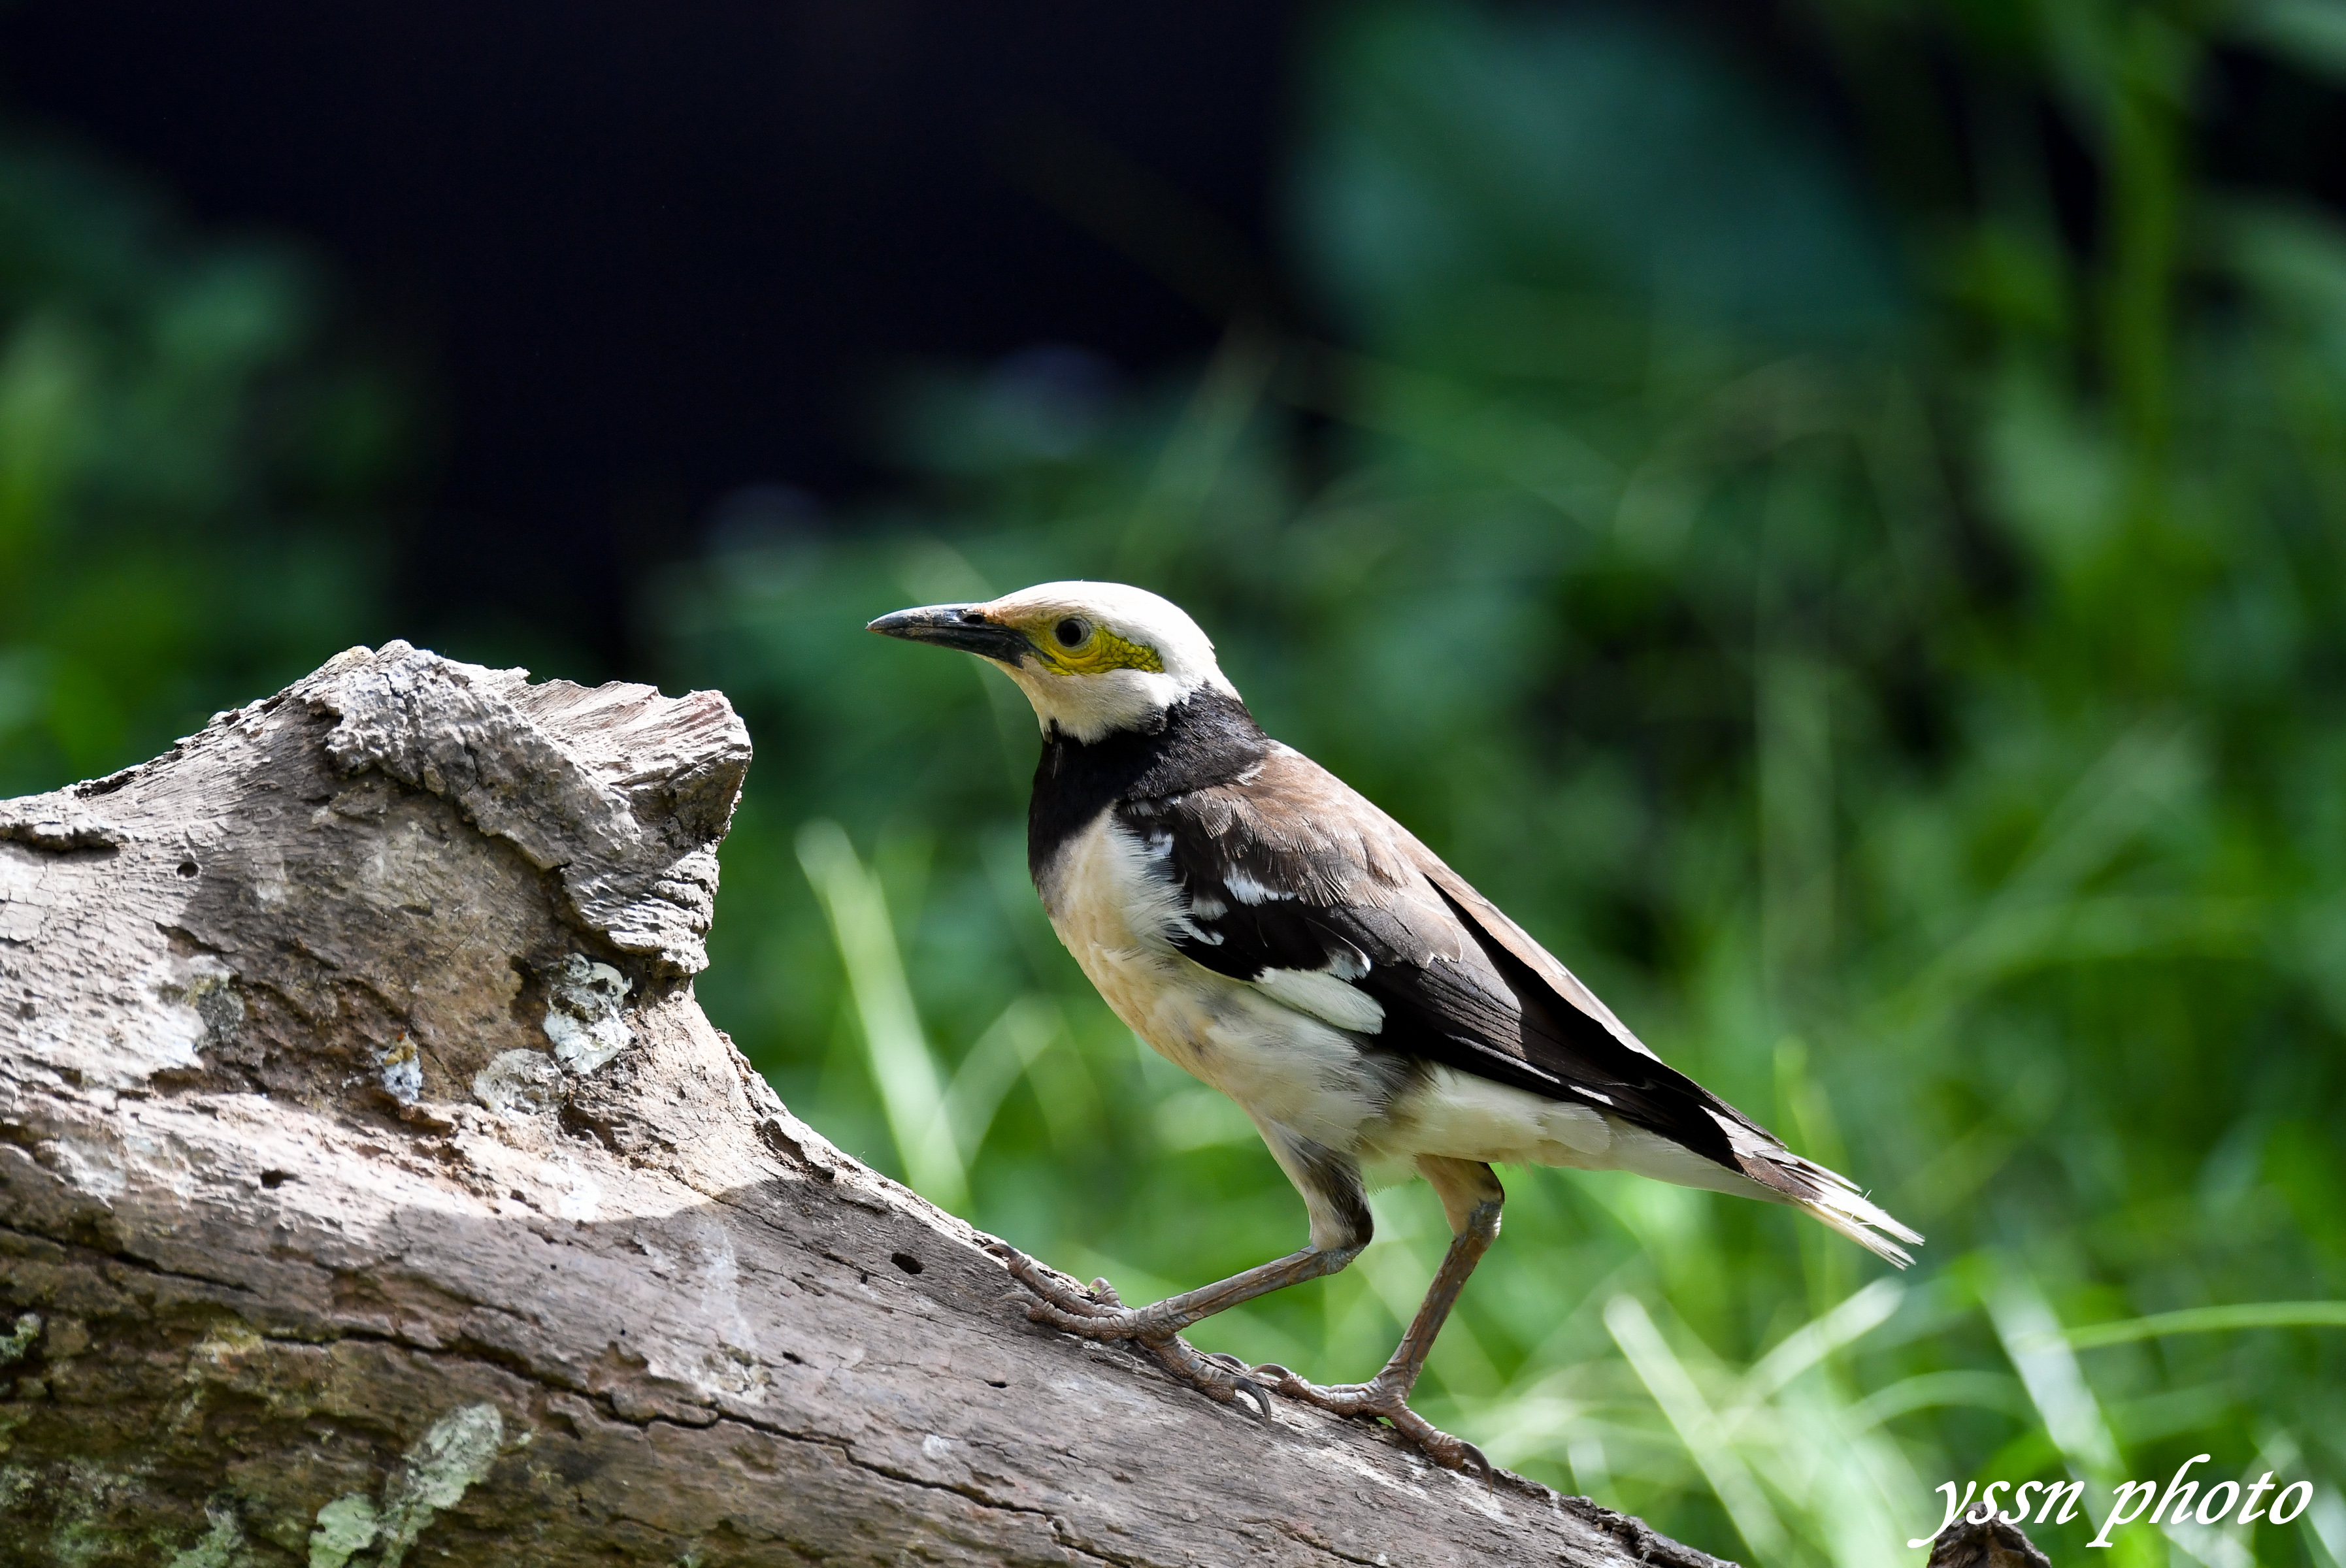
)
(1224, 1378)
(1099, 1313)
(1042, 1280)
(1096, 1313)
(1381, 1398)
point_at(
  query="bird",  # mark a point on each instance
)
(1268, 929)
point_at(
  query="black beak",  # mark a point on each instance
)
(962, 627)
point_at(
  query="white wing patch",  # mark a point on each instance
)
(1165, 893)
(1324, 996)
(1247, 890)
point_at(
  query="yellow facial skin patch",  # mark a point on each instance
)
(1097, 653)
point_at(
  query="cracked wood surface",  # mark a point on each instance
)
(373, 1190)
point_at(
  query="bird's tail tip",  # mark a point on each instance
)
(1866, 1224)
(1835, 1201)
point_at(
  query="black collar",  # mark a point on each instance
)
(1207, 737)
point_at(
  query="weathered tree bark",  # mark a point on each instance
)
(1989, 1542)
(372, 1189)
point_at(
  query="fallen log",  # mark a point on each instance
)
(1990, 1541)
(373, 1190)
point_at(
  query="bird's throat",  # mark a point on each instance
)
(1209, 738)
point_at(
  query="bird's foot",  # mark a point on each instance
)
(1098, 1313)
(1386, 1397)
(1221, 1377)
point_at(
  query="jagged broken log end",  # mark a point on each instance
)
(372, 1190)
(1986, 1542)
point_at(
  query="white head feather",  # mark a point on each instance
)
(1087, 706)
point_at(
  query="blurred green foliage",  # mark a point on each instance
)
(182, 464)
(1882, 640)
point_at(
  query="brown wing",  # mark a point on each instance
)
(1286, 867)
(1289, 868)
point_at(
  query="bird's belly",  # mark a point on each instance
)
(1462, 1117)
(1280, 1065)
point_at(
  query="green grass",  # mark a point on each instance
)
(1896, 682)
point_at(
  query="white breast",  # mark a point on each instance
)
(1113, 903)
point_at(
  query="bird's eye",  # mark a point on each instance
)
(1072, 631)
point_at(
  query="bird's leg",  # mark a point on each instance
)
(1341, 1227)
(1472, 1196)
(1099, 1314)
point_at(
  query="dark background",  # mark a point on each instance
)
(631, 268)
(636, 266)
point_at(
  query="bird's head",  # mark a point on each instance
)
(1093, 658)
